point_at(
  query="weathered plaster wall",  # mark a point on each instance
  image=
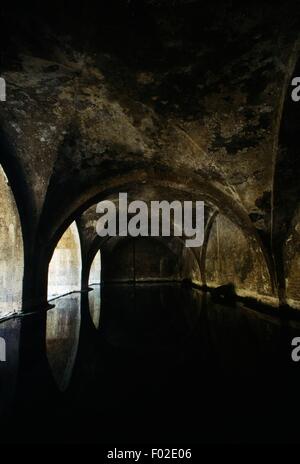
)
(192, 100)
(292, 264)
(11, 251)
(233, 258)
(148, 259)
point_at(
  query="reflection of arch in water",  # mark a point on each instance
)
(11, 251)
(9, 352)
(64, 275)
(62, 338)
(94, 298)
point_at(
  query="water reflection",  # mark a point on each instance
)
(9, 333)
(239, 340)
(62, 337)
(165, 364)
(148, 315)
(95, 304)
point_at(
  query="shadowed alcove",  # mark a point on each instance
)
(146, 259)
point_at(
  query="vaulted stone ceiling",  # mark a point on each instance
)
(186, 96)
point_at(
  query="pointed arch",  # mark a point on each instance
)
(64, 273)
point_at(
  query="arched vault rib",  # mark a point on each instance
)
(205, 191)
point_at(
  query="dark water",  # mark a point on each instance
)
(149, 364)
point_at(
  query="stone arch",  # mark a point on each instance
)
(11, 251)
(188, 257)
(195, 187)
(286, 187)
(64, 272)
